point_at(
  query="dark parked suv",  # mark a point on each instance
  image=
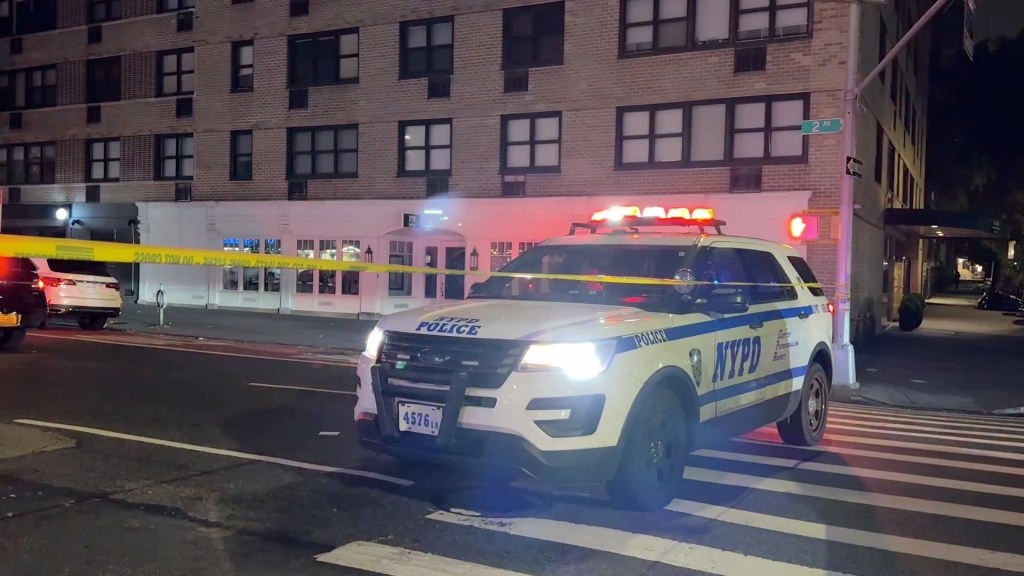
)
(22, 300)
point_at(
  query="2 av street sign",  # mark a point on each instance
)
(826, 126)
(854, 167)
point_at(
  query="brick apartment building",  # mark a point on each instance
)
(314, 127)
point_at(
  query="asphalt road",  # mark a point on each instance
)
(131, 460)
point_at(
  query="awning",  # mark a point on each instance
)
(941, 224)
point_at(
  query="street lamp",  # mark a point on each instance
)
(474, 260)
(61, 214)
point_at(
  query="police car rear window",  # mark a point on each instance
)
(806, 274)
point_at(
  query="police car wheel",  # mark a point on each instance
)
(806, 426)
(653, 455)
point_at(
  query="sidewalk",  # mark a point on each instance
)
(244, 326)
(961, 358)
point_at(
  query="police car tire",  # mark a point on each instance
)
(11, 339)
(634, 485)
(798, 429)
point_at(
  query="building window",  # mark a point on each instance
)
(28, 164)
(175, 157)
(767, 19)
(304, 278)
(531, 142)
(883, 43)
(534, 35)
(175, 5)
(323, 152)
(707, 132)
(242, 66)
(241, 155)
(251, 276)
(104, 10)
(272, 276)
(18, 17)
(425, 148)
(400, 254)
(29, 88)
(891, 167)
(524, 246)
(651, 136)
(654, 25)
(328, 278)
(350, 252)
(103, 80)
(177, 72)
(879, 151)
(501, 254)
(104, 160)
(768, 129)
(323, 58)
(427, 47)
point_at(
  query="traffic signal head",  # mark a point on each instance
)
(803, 227)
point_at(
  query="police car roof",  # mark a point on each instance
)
(665, 238)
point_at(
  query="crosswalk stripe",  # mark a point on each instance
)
(772, 436)
(945, 416)
(855, 496)
(819, 531)
(925, 420)
(391, 561)
(899, 426)
(640, 546)
(945, 437)
(862, 472)
(943, 462)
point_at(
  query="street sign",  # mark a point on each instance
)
(854, 167)
(969, 9)
(827, 126)
(411, 220)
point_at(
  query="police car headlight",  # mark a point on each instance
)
(579, 360)
(373, 342)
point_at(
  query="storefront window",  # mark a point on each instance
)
(350, 252)
(328, 278)
(251, 276)
(304, 278)
(230, 281)
(524, 246)
(400, 254)
(272, 276)
(501, 254)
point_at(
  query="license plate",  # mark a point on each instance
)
(419, 418)
(10, 320)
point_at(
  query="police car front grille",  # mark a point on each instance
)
(487, 362)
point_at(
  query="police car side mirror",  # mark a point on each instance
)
(684, 275)
(727, 301)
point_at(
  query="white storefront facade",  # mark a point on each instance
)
(449, 233)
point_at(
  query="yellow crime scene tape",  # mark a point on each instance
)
(17, 246)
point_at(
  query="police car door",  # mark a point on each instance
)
(741, 357)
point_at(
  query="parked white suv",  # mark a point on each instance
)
(589, 381)
(79, 289)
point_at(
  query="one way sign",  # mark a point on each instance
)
(854, 167)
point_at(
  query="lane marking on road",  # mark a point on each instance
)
(218, 451)
(890, 543)
(908, 458)
(641, 546)
(192, 350)
(916, 381)
(870, 418)
(326, 433)
(772, 438)
(873, 499)
(970, 435)
(324, 390)
(862, 472)
(930, 413)
(832, 425)
(381, 559)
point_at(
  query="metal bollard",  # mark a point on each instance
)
(161, 303)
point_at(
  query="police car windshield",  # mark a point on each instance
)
(608, 260)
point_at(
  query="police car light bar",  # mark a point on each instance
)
(617, 214)
(633, 216)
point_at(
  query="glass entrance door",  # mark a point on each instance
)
(444, 286)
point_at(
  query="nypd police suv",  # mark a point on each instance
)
(591, 381)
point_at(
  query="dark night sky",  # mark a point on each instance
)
(996, 18)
